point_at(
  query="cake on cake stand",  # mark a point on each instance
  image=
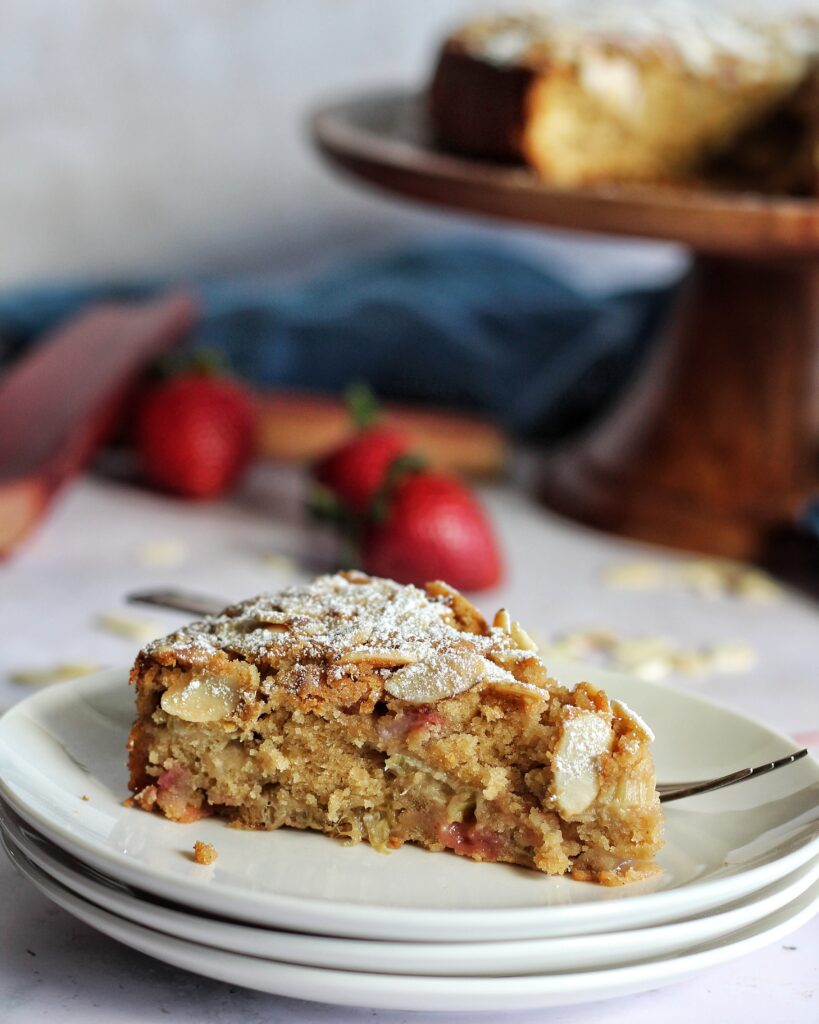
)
(715, 446)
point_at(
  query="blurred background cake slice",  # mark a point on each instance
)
(592, 92)
(779, 154)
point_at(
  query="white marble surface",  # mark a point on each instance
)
(86, 557)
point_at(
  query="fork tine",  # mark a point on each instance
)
(679, 790)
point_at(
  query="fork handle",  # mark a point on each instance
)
(678, 790)
(179, 601)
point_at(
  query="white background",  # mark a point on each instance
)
(154, 136)
(148, 136)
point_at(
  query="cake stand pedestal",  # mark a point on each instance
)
(715, 446)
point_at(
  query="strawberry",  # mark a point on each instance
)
(433, 528)
(194, 434)
(355, 472)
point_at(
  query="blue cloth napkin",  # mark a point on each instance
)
(464, 325)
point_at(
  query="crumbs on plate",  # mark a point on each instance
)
(204, 853)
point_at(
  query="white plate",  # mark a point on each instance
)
(68, 741)
(415, 992)
(478, 959)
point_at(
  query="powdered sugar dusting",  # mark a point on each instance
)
(633, 719)
(343, 620)
(703, 37)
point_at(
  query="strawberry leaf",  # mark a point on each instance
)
(325, 507)
(399, 468)
(412, 462)
(362, 405)
(207, 362)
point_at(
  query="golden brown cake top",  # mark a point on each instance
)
(425, 645)
(706, 39)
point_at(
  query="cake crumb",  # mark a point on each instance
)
(85, 797)
(204, 853)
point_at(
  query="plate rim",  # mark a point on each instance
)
(774, 897)
(279, 909)
(344, 132)
(526, 991)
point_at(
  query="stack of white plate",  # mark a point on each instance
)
(299, 914)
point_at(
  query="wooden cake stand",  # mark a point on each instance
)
(715, 446)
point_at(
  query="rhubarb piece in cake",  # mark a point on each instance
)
(391, 714)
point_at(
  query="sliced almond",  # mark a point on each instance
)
(54, 674)
(522, 638)
(625, 712)
(284, 565)
(130, 626)
(161, 552)
(201, 699)
(503, 621)
(730, 656)
(379, 658)
(634, 575)
(466, 614)
(443, 674)
(584, 738)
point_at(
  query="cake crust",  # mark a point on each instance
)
(388, 714)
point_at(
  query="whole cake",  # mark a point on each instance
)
(616, 91)
(389, 714)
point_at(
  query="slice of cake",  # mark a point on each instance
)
(601, 91)
(780, 154)
(384, 713)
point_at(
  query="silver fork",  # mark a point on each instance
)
(679, 790)
(200, 604)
